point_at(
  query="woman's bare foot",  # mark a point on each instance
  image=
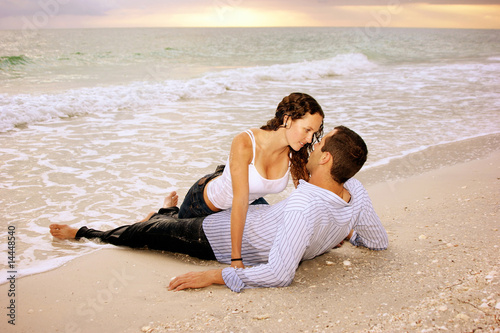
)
(63, 231)
(171, 200)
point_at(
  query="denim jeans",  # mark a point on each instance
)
(163, 231)
(194, 204)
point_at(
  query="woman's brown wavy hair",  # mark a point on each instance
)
(297, 105)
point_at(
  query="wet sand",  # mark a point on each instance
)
(440, 273)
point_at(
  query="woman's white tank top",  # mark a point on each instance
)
(220, 190)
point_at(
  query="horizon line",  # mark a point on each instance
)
(244, 27)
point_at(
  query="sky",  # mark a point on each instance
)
(372, 14)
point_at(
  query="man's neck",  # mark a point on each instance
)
(326, 182)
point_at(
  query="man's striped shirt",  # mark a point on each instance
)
(276, 238)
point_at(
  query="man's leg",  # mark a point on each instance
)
(163, 231)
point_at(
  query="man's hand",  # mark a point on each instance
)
(193, 280)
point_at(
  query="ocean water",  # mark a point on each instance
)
(98, 125)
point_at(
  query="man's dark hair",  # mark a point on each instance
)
(349, 153)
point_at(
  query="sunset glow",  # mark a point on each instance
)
(249, 14)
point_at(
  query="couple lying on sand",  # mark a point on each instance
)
(326, 208)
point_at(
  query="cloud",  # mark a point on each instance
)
(163, 13)
(104, 7)
(55, 7)
(287, 4)
(392, 2)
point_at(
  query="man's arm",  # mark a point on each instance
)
(195, 280)
(368, 230)
(289, 246)
(285, 255)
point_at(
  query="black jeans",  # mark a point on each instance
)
(163, 231)
(194, 204)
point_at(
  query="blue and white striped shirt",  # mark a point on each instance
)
(276, 238)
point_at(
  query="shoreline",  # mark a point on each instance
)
(431, 158)
(441, 272)
(489, 148)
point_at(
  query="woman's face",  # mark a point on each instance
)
(302, 130)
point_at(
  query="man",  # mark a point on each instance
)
(316, 217)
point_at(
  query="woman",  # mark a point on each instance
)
(259, 163)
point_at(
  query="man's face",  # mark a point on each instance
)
(316, 153)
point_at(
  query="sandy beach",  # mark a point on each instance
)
(441, 273)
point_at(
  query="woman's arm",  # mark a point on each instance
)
(240, 157)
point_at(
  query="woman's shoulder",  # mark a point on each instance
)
(242, 140)
(241, 149)
(262, 136)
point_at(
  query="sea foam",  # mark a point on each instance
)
(25, 109)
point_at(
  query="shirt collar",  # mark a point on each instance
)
(322, 193)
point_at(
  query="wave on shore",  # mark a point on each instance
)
(24, 109)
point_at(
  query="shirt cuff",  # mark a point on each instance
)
(232, 280)
(354, 238)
